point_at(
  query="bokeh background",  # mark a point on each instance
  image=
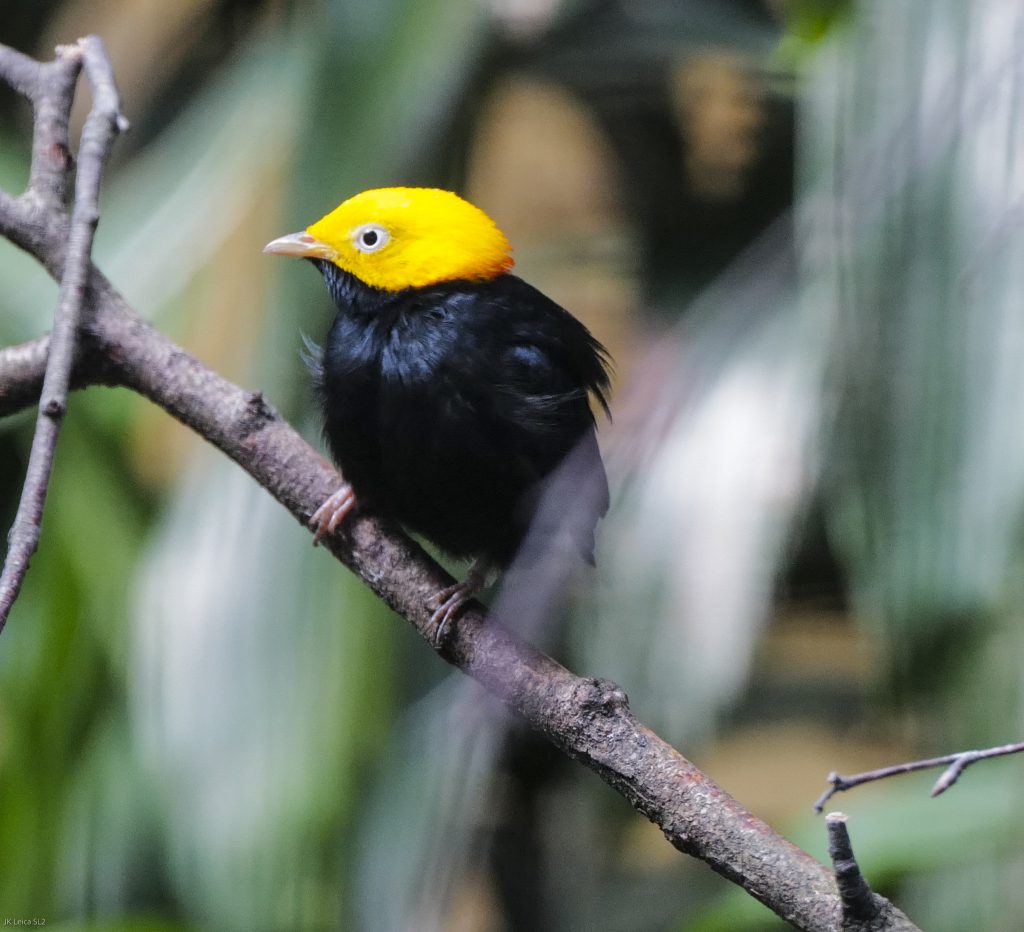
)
(798, 227)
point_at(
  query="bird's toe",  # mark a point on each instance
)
(326, 519)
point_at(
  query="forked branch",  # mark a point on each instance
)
(955, 765)
(47, 87)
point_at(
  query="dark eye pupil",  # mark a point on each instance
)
(370, 238)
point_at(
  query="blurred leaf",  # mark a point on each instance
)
(911, 235)
(808, 24)
(691, 551)
(425, 827)
(249, 700)
(109, 854)
(168, 213)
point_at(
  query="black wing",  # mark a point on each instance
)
(538, 367)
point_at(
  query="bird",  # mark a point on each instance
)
(450, 389)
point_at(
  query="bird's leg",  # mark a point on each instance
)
(331, 513)
(450, 601)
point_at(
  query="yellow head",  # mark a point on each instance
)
(397, 238)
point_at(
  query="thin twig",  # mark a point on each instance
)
(955, 765)
(101, 126)
(860, 904)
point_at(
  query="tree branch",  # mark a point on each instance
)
(587, 718)
(51, 92)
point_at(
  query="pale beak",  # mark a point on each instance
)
(302, 245)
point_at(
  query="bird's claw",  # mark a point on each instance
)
(447, 605)
(331, 513)
(450, 601)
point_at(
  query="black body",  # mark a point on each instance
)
(447, 408)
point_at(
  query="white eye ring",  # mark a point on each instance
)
(370, 237)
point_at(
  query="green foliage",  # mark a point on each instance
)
(809, 23)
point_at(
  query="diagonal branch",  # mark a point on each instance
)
(588, 719)
(50, 88)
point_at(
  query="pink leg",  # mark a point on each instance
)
(331, 513)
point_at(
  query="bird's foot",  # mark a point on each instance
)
(331, 513)
(449, 602)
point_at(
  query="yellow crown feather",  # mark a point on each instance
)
(397, 238)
